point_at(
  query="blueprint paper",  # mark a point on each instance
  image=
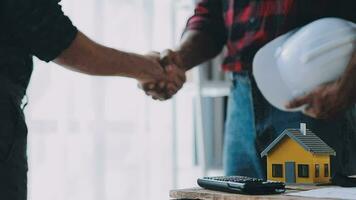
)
(332, 192)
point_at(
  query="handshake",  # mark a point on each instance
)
(163, 76)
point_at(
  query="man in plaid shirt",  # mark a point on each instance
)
(244, 26)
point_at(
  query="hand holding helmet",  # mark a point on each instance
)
(307, 68)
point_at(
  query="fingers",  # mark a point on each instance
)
(310, 111)
(174, 72)
(151, 69)
(146, 86)
(316, 105)
(313, 108)
(171, 82)
(157, 90)
(157, 96)
(177, 78)
(324, 102)
(161, 85)
(167, 57)
(179, 73)
(317, 111)
(153, 55)
(298, 102)
(175, 75)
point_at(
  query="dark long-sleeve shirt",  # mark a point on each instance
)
(244, 26)
(31, 28)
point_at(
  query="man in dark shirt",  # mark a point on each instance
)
(39, 28)
(244, 26)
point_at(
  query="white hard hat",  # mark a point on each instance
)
(299, 61)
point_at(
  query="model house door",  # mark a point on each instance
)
(290, 172)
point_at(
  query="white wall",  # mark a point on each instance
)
(100, 138)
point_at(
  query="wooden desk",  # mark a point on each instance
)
(202, 194)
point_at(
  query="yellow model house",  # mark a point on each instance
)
(298, 156)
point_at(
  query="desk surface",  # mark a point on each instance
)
(202, 194)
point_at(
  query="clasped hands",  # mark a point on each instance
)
(165, 82)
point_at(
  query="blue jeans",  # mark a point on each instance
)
(252, 124)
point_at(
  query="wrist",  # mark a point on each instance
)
(145, 67)
(182, 59)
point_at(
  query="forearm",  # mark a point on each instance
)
(88, 57)
(197, 47)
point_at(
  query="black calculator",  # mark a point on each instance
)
(241, 184)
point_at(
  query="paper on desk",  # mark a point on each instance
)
(332, 192)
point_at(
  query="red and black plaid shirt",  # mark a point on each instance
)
(244, 26)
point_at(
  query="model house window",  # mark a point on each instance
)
(303, 171)
(277, 170)
(326, 170)
(317, 170)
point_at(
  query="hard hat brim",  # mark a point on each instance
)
(267, 75)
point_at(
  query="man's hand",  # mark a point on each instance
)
(330, 99)
(175, 76)
(324, 102)
(195, 47)
(152, 70)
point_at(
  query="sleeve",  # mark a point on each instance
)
(41, 27)
(208, 17)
